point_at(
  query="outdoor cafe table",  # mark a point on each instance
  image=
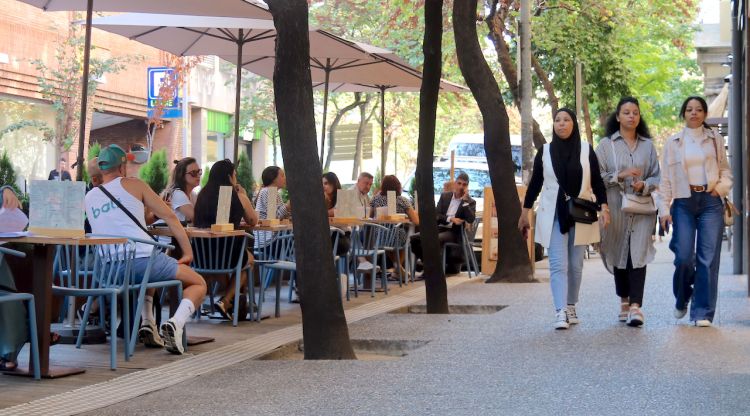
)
(42, 279)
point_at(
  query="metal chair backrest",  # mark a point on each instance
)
(279, 248)
(218, 255)
(336, 235)
(369, 237)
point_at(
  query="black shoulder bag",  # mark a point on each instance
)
(125, 210)
(581, 210)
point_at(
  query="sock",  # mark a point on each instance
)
(147, 313)
(184, 311)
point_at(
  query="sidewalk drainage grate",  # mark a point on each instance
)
(365, 349)
(453, 309)
(130, 386)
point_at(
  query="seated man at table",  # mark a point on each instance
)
(363, 185)
(106, 218)
(454, 210)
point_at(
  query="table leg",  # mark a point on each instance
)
(42, 287)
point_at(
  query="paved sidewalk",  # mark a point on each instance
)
(510, 362)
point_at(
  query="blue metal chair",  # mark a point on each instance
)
(393, 243)
(109, 279)
(368, 241)
(6, 296)
(273, 258)
(466, 238)
(341, 261)
(215, 256)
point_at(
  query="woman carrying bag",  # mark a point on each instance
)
(566, 173)
(696, 180)
(630, 170)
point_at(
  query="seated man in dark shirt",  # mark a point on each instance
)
(454, 210)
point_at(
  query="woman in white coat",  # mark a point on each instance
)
(565, 167)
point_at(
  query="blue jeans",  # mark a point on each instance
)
(696, 277)
(565, 266)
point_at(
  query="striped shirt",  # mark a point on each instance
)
(261, 206)
(627, 234)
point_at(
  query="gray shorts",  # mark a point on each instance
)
(163, 268)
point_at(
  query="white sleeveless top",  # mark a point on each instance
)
(106, 218)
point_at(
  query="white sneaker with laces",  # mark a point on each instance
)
(703, 323)
(365, 266)
(148, 333)
(635, 317)
(561, 319)
(172, 336)
(572, 317)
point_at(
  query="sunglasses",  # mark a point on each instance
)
(195, 173)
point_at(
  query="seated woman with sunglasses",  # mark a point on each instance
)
(223, 173)
(186, 176)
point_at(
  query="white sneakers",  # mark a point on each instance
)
(561, 319)
(635, 317)
(703, 323)
(149, 335)
(365, 266)
(172, 336)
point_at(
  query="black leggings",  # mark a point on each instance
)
(629, 282)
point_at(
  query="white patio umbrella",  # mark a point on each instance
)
(230, 38)
(235, 8)
(385, 71)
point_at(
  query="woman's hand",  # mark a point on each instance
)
(715, 194)
(634, 172)
(523, 221)
(239, 189)
(665, 221)
(605, 218)
(639, 186)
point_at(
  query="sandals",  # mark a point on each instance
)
(7, 365)
(624, 310)
(54, 338)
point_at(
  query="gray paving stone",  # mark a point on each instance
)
(510, 362)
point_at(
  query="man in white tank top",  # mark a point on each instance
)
(107, 218)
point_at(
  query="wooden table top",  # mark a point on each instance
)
(198, 232)
(79, 241)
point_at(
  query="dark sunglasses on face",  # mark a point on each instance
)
(195, 173)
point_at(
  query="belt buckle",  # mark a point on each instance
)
(699, 188)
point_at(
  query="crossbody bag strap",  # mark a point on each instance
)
(125, 210)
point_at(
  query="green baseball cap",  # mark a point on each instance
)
(111, 156)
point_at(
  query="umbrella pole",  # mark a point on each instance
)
(238, 87)
(382, 132)
(84, 92)
(325, 111)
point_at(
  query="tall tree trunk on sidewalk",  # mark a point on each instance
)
(364, 119)
(496, 25)
(435, 286)
(324, 329)
(513, 264)
(335, 123)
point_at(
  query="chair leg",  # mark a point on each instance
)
(398, 264)
(113, 333)
(278, 295)
(126, 329)
(466, 257)
(33, 339)
(136, 320)
(445, 253)
(262, 292)
(383, 274)
(237, 282)
(84, 320)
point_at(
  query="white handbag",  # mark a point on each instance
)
(632, 203)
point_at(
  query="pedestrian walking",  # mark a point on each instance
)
(566, 173)
(630, 171)
(695, 181)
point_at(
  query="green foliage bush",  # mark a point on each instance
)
(204, 178)
(155, 172)
(8, 173)
(245, 173)
(94, 150)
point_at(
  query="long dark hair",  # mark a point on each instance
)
(178, 174)
(703, 104)
(613, 125)
(208, 198)
(332, 179)
(269, 175)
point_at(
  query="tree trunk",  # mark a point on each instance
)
(363, 120)
(335, 123)
(554, 102)
(513, 263)
(324, 329)
(435, 286)
(587, 120)
(496, 25)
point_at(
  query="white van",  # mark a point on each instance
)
(469, 148)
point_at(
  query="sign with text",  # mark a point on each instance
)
(156, 77)
(57, 208)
